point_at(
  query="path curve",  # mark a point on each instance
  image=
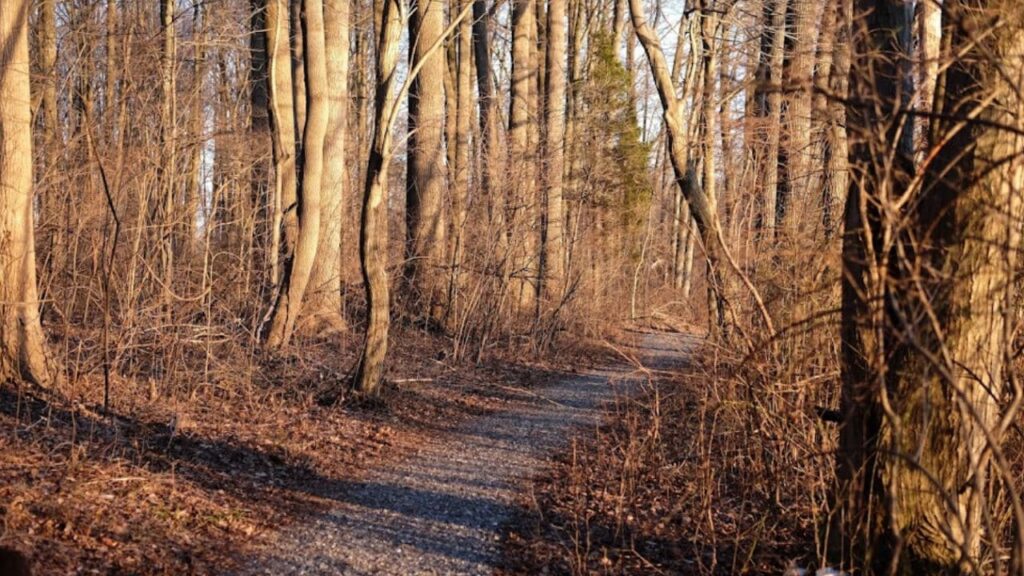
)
(440, 510)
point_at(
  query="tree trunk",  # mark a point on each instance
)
(260, 131)
(797, 121)
(925, 328)
(821, 121)
(165, 212)
(773, 127)
(282, 117)
(522, 152)
(297, 46)
(929, 39)
(373, 228)
(492, 164)
(836, 150)
(462, 167)
(300, 265)
(554, 241)
(324, 305)
(708, 115)
(22, 343)
(702, 206)
(426, 185)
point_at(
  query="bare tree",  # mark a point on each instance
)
(554, 241)
(797, 121)
(284, 227)
(373, 228)
(461, 168)
(927, 294)
(300, 265)
(426, 186)
(23, 352)
(704, 209)
(522, 152)
(323, 304)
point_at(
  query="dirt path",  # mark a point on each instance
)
(440, 510)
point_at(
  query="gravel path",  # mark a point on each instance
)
(440, 510)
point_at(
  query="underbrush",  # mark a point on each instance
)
(721, 466)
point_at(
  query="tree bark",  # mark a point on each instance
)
(260, 130)
(300, 265)
(708, 116)
(284, 227)
(165, 214)
(798, 121)
(522, 153)
(554, 241)
(23, 352)
(492, 161)
(837, 150)
(373, 227)
(426, 183)
(462, 166)
(773, 127)
(927, 292)
(324, 304)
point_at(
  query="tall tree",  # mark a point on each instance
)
(373, 225)
(22, 343)
(426, 185)
(774, 39)
(259, 127)
(324, 305)
(927, 293)
(703, 207)
(554, 131)
(462, 143)
(522, 152)
(704, 211)
(165, 214)
(797, 117)
(284, 227)
(300, 265)
(490, 170)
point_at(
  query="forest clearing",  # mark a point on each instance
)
(511, 287)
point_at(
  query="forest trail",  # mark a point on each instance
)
(441, 509)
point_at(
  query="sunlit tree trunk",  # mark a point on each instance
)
(797, 120)
(929, 38)
(702, 206)
(165, 202)
(297, 47)
(836, 149)
(22, 343)
(927, 293)
(373, 227)
(554, 241)
(284, 226)
(48, 62)
(426, 185)
(324, 305)
(776, 28)
(522, 153)
(462, 143)
(300, 265)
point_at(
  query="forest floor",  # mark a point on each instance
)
(229, 477)
(443, 507)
